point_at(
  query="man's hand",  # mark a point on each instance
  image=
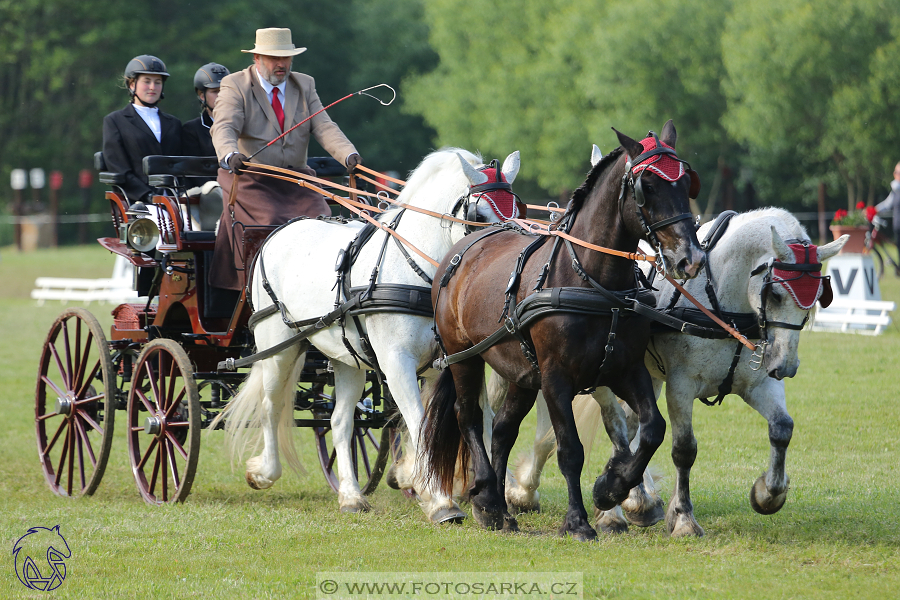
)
(236, 162)
(353, 161)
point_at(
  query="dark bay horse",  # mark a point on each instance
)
(576, 333)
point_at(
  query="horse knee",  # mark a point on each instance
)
(653, 434)
(780, 431)
(684, 451)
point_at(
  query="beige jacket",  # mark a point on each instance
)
(244, 121)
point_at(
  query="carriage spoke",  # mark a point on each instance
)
(48, 416)
(87, 442)
(170, 383)
(174, 442)
(176, 480)
(68, 348)
(366, 434)
(148, 452)
(53, 386)
(178, 424)
(154, 388)
(164, 470)
(171, 407)
(55, 437)
(90, 399)
(79, 443)
(90, 421)
(146, 401)
(155, 471)
(71, 458)
(82, 361)
(60, 367)
(62, 457)
(83, 384)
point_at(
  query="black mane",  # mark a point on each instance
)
(579, 195)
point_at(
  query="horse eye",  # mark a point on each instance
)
(648, 187)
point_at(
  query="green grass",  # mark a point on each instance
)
(838, 536)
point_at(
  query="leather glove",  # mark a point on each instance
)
(236, 162)
(353, 161)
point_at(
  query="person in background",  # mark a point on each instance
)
(254, 107)
(140, 129)
(890, 206)
(197, 141)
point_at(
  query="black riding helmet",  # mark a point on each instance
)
(208, 77)
(145, 64)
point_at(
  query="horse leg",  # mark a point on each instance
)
(277, 378)
(400, 370)
(643, 507)
(349, 383)
(559, 394)
(680, 513)
(505, 431)
(488, 507)
(769, 492)
(521, 490)
(625, 470)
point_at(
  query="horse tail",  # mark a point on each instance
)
(244, 415)
(441, 443)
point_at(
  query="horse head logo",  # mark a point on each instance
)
(44, 545)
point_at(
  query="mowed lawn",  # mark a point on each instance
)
(837, 537)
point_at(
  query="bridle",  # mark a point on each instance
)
(480, 192)
(769, 279)
(637, 193)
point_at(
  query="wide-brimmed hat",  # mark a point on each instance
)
(274, 41)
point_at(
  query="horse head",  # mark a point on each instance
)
(654, 200)
(783, 289)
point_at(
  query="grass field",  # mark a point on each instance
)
(837, 537)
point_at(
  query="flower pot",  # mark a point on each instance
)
(857, 242)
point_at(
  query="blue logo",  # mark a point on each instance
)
(50, 549)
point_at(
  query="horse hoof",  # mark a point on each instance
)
(359, 506)
(762, 501)
(488, 519)
(609, 522)
(579, 535)
(649, 516)
(521, 501)
(603, 497)
(448, 515)
(510, 525)
(682, 524)
(258, 482)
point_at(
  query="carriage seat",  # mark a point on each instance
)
(177, 171)
(326, 166)
(106, 177)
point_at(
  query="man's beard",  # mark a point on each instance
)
(271, 77)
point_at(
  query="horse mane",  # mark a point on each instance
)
(785, 223)
(439, 160)
(579, 195)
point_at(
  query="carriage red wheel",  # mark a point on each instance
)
(163, 423)
(75, 404)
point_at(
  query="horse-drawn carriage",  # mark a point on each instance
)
(160, 362)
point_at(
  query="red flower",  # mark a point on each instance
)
(860, 205)
(840, 213)
(871, 211)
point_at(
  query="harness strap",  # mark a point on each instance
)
(725, 386)
(512, 286)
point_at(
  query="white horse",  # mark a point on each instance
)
(299, 266)
(694, 367)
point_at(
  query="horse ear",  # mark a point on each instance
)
(632, 147)
(669, 136)
(511, 167)
(596, 155)
(474, 176)
(782, 252)
(828, 250)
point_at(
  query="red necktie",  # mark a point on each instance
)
(276, 105)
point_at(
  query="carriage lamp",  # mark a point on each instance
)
(142, 235)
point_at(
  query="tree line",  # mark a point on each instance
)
(773, 99)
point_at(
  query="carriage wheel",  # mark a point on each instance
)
(163, 423)
(76, 376)
(369, 456)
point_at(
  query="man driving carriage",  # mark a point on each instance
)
(255, 106)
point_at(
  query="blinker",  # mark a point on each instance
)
(694, 190)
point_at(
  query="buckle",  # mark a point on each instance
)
(455, 260)
(510, 325)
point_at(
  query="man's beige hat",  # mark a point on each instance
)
(274, 41)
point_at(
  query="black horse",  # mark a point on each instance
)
(549, 340)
